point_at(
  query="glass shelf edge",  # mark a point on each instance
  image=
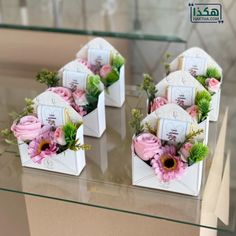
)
(230, 230)
(135, 36)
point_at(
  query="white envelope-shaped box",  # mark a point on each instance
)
(144, 175)
(115, 95)
(198, 53)
(183, 78)
(94, 122)
(68, 162)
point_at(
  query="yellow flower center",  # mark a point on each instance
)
(169, 163)
(43, 145)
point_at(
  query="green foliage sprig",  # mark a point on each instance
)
(117, 61)
(193, 135)
(197, 153)
(135, 121)
(203, 101)
(28, 110)
(212, 72)
(201, 79)
(149, 87)
(93, 88)
(190, 137)
(166, 63)
(50, 78)
(111, 78)
(70, 130)
(149, 128)
(8, 136)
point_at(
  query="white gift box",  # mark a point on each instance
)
(144, 175)
(94, 122)
(184, 79)
(68, 162)
(115, 94)
(196, 52)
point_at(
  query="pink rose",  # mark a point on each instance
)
(27, 128)
(65, 93)
(212, 84)
(157, 103)
(59, 136)
(84, 62)
(193, 111)
(79, 96)
(185, 150)
(146, 145)
(105, 71)
(79, 109)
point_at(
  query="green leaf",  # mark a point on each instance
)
(70, 131)
(111, 77)
(212, 72)
(117, 61)
(93, 89)
(198, 152)
(201, 79)
(202, 95)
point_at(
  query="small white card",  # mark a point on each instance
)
(181, 95)
(74, 80)
(172, 130)
(52, 115)
(98, 57)
(194, 65)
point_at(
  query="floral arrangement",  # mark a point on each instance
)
(109, 73)
(83, 101)
(211, 81)
(169, 160)
(42, 140)
(199, 111)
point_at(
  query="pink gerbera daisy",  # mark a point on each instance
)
(167, 166)
(42, 147)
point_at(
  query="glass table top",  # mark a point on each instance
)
(133, 19)
(106, 180)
